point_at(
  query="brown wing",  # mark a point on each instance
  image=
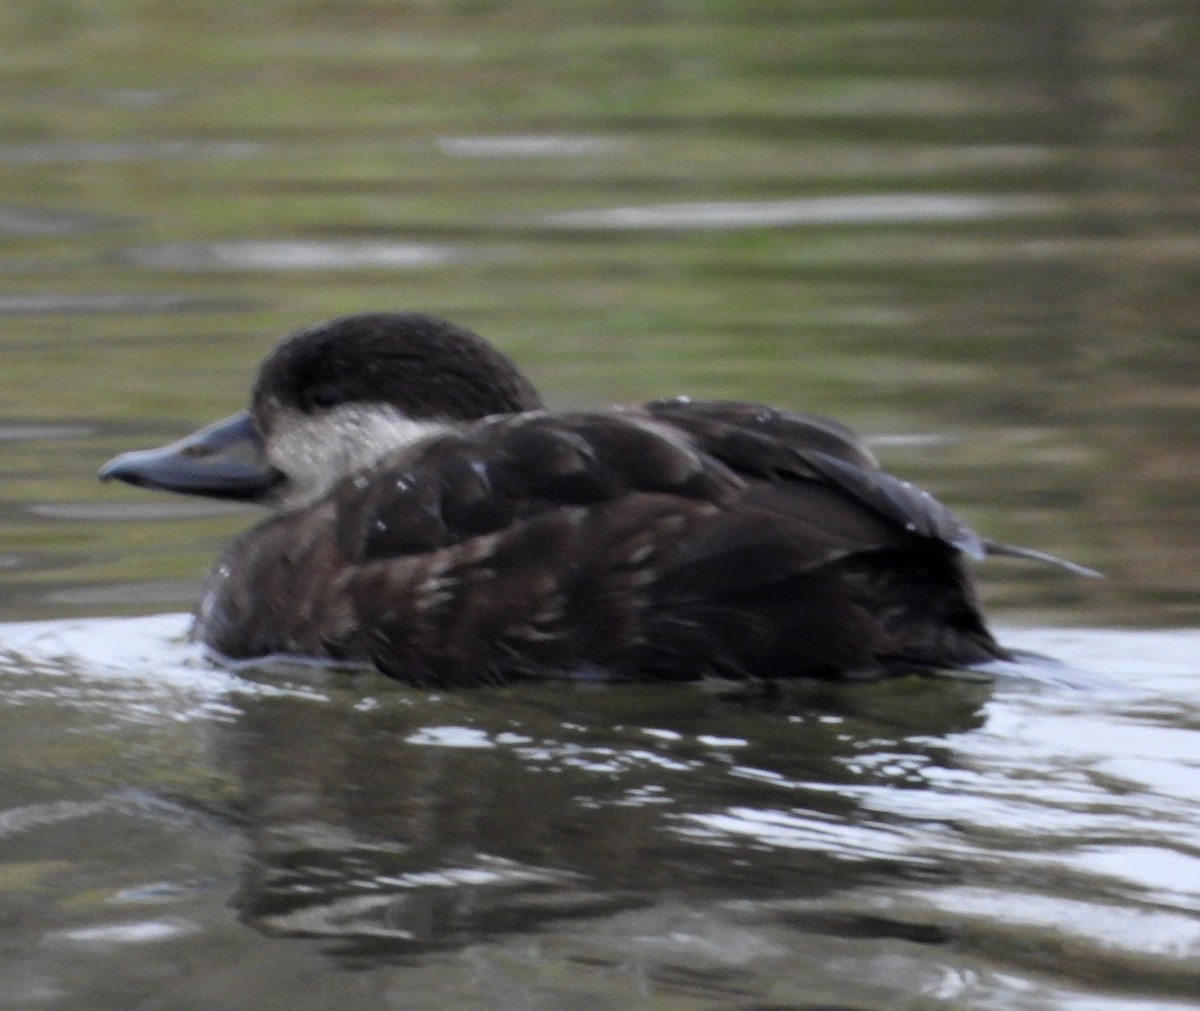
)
(632, 542)
(758, 439)
(487, 477)
(808, 474)
(781, 447)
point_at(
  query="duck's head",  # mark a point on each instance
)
(329, 401)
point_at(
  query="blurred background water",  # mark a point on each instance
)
(969, 230)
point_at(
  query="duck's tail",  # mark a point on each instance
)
(1029, 554)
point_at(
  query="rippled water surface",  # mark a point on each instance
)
(970, 231)
(176, 835)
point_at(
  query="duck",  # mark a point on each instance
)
(431, 518)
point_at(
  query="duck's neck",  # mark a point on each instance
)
(318, 451)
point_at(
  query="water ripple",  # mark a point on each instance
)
(525, 146)
(290, 255)
(14, 221)
(866, 209)
(100, 152)
(79, 303)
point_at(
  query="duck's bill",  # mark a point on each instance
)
(224, 460)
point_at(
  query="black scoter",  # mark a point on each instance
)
(431, 517)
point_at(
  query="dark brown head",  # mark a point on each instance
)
(425, 368)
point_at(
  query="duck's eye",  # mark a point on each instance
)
(324, 396)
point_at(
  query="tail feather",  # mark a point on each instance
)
(1029, 554)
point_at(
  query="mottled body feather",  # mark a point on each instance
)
(674, 541)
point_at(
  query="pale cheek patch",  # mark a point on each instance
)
(317, 451)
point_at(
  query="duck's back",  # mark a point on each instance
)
(672, 541)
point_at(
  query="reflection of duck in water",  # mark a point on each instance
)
(433, 821)
(434, 520)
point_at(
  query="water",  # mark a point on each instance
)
(969, 232)
(176, 835)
